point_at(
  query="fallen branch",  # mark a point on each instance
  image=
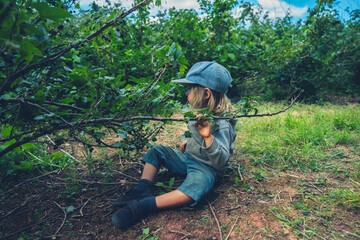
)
(232, 228)
(65, 216)
(216, 219)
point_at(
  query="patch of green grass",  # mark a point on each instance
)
(321, 144)
(346, 197)
(299, 137)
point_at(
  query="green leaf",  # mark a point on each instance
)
(8, 143)
(27, 146)
(67, 100)
(6, 131)
(172, 49)
(57, 155)
(118, 144)
(187, 134)
(182, 69)
(30, 29)
(123, 134)
(231, 56)
(171, 182)
(40, 96)
(189, 114)
(28, 50)
(53, 13)
(160, 184)
(146, 231)
(40, 117)
(70, 209)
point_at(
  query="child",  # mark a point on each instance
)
(201, 159)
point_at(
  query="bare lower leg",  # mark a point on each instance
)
(168, 200)
(173, 199)
(149, 172)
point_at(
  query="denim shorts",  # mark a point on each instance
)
(200, 178)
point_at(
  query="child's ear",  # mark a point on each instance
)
(207, 93)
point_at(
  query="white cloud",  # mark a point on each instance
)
(275, 8)
(181, 4)
(278, 8)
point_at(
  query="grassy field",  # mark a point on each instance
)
(295, 175)
(316, 150)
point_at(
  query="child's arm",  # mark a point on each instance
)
(217, 147)
(219, 151)
(204, 129)
(183, 146)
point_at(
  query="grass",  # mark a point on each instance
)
(321, 145)
(300, 137)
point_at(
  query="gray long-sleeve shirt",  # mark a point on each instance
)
(220, 150)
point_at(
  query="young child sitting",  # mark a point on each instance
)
(201, 159)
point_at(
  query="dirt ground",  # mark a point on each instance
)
(64, 204)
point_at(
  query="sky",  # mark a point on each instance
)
(275, 8)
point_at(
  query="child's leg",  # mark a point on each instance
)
(173, 199)
(149, 172)
(154, 159)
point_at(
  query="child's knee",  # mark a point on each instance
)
(202, 182)
(154, 156)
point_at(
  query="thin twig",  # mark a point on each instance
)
(19, 184)
(84, 117)
(239, 171)
(97, 195)
(232, 228)
(216, 219)
(234, 208)
(63, 222)
(72, 157)
(24, 229)
(134, 178)
(122, 182)
(21, 205)
(352, 234)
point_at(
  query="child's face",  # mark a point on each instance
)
(190, 94)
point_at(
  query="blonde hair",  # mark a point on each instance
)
(218, 103)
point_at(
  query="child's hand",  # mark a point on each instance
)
(183, 146)
(203, 127)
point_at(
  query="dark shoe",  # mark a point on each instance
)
(128, 215)
(134, 193)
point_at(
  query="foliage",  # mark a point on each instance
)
(83, 75)
(61, 73)
(168, 187)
